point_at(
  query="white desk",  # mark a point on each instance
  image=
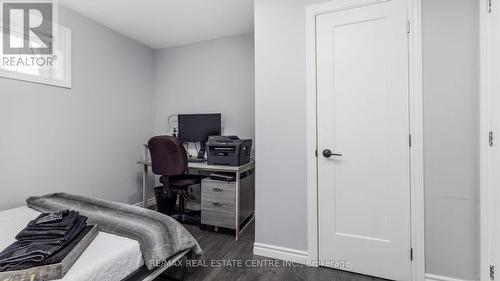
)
(146, 163)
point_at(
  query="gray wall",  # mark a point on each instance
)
(84, 140)
(451, 112)
(280, 124)
(212, 76)
(451, 121)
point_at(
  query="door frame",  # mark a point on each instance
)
(416, 128)
(485, 202)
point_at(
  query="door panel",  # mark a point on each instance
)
(364, 195)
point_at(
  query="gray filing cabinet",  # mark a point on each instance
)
(218, 201)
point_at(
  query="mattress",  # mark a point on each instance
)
(108, 258)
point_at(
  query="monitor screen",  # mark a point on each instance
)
(198, 127)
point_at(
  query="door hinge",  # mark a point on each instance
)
(489, 6)
(492, 272)
(408, 27)
(490, 138)
(316, 153)
(411, 254)
(409, 140)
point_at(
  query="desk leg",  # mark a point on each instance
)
(145, 186)
(237, 201)
(241, 230)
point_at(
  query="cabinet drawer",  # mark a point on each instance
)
(218, 188)
(217, 212)
(218, 206)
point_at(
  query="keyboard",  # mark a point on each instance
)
(223, 177)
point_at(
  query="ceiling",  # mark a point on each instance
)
(167, 23)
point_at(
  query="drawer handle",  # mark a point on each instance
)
(218, 189)
(218, 204)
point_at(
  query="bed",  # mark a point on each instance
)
(108, 258)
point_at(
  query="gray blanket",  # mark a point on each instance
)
(159, 236)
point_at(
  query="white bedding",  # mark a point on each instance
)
(108, 258)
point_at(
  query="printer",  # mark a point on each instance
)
(228, 150)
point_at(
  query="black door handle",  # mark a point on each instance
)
(328, 153)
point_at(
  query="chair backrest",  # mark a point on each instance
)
(168, 156)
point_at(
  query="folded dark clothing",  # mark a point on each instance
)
(22, 252)
(53, 241)
(49, 224)
(51, 233)
(51, 218)
(35, 252)
(59, 219)
(56, 258)
(49, 229)
(41, 237)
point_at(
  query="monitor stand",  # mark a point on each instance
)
(200, 158)
(196, 160)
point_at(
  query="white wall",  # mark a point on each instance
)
(451, 122)
(84, 140)
(451, 112)
(212, 76)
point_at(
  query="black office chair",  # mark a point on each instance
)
(169, 160)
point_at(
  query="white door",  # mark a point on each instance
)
(362, 92)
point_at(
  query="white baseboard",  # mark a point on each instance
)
(287, 254)
(151, 202)
(280, 253)
(432, 277)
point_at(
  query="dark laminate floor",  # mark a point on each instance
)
(220, 246)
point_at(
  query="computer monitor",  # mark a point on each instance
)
(198, 127)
